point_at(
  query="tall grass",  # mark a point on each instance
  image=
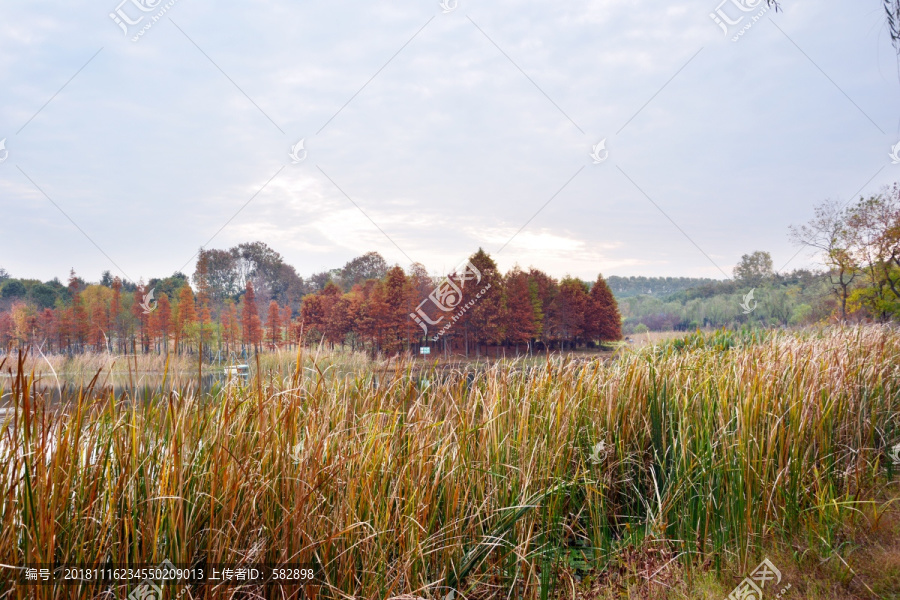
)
(482, 484)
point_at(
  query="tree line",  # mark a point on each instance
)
(247, 299)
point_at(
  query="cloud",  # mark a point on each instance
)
(448, 142)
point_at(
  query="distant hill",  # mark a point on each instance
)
(658, 287)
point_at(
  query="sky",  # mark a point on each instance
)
(620, 137)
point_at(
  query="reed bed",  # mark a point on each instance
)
(480, 484)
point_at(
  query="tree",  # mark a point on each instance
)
(231, 330)
(370, 265)
(483, 317)
(12, 289)
(273, 325)
(602, 319)
(396, 325)
(219, 269)
(204, 316)
(42, 295)
(79, 325)
(754, 269)
(567, 312)
(7, 329)
(519, 323)
(115, 311)
(99, 326)
(543, 289)
(159, 323)
(339, 321)
(873, 230)
(312, 314)
(827, 233)
(47, 327)
(24, 321)
(286, 316)
(252, 325)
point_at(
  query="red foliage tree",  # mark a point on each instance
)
(250, 321)
(231, 330)
(519, 323)
(79, 324)
(566, 312)
(602, 319)
(187, 315)
(47, 327)
(99, 326)
(158, 324)
(286, 316)
(483, 316)
(273, 325)
(115, 311)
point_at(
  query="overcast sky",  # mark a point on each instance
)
(429, 133)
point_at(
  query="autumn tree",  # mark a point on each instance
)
(273, 325)
(115, 312)
(519, 324)
(543, 290)
(396, 323)
(286, 316)
(204, 289)
(24, 321)
(99, 326)
(567, 312)
(827, 233)
(47, 327)
(159, 321)
(7, 330)
(873, 226)
(482, 319)
(79, 324)
(250, 321)
(231, 329)
(602, 319)
(375, 314)
(312, 315)
(187, 317)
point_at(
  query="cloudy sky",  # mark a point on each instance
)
(431, 130)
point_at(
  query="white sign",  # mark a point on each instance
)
(424, 350)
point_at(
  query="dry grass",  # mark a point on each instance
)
(715, 448)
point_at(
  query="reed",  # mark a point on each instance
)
(482, 483)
